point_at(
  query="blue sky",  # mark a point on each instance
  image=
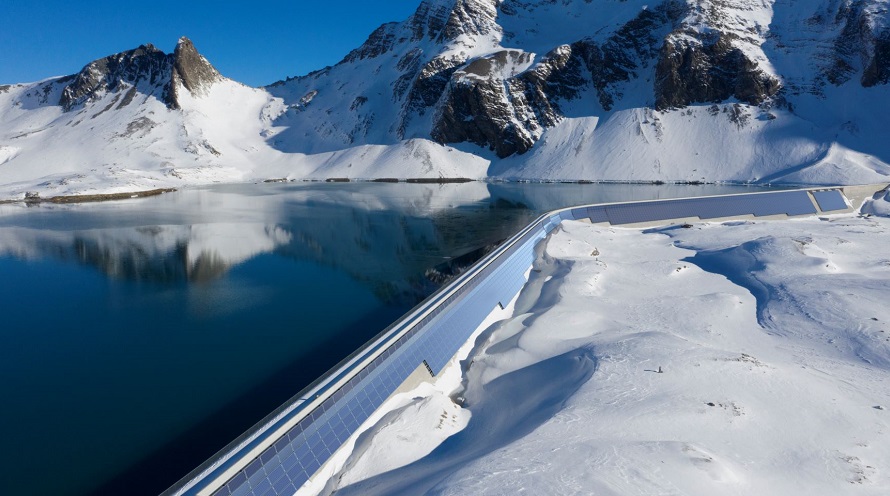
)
(252, 42)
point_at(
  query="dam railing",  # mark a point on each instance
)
(284, 450)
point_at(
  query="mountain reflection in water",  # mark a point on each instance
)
(384, 235)
(141, 336)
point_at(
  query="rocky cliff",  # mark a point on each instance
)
(145, 70)
(498, 73)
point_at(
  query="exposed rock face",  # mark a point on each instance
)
(381, 41)
(191, 70)
(508, 114)
(499, 73)
(470, 18)
(878, 69)
(708, 69)
(145, 64)
(478, 106)
(849, 44)
(430, 82)
(145, 69)
(445, 24)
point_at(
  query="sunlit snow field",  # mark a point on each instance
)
(772, 339)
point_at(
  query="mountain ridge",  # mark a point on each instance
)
(679, 90)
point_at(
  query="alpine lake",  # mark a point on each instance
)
(138, 337)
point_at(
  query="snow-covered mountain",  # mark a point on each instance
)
(783, 90)
(124, 119)
(143, 119)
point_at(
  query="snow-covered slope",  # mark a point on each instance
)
(134, 120)
(143, 119)
(677, 90)
(609, 90)
(727, 358)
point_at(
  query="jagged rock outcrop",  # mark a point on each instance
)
(381, 41)
(478, 106)
(144, 65)
(508, 114)
(862, 45)
(431, 80)
(145, 69)
(454, 76)
(632, 48)
(191, 71)
(877, 71)
(442, 21)
(708, 68)
(457, 24)
(470, 18)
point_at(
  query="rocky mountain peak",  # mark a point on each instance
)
(446, 20)
(145, 69)
(499, 73)
(471, 18)
(145, 64)
(191, 70)
(439, 21)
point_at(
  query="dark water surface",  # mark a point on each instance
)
(138, 337)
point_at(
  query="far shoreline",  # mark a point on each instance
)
(91, 198)
(34, 198)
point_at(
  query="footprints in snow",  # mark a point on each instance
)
(732, 407)
(859, 472)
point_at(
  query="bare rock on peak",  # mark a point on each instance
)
(145, 69)
(191, 70)
(145, 65)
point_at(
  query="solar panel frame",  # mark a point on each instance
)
(830, 200)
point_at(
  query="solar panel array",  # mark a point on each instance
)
(290, 461)
(757, 204)
(830, 200)
(433, 332)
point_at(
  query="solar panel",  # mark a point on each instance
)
(597, 214)
(714, 208)
(283, 484)
(628, 214)
(578, 213)
(671, 209)
(651, 211)
(830, 200)
(238, 479)
(799, 203)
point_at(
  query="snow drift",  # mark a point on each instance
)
(725, 358)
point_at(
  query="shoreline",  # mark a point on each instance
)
(100, 197)
(64, 199)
